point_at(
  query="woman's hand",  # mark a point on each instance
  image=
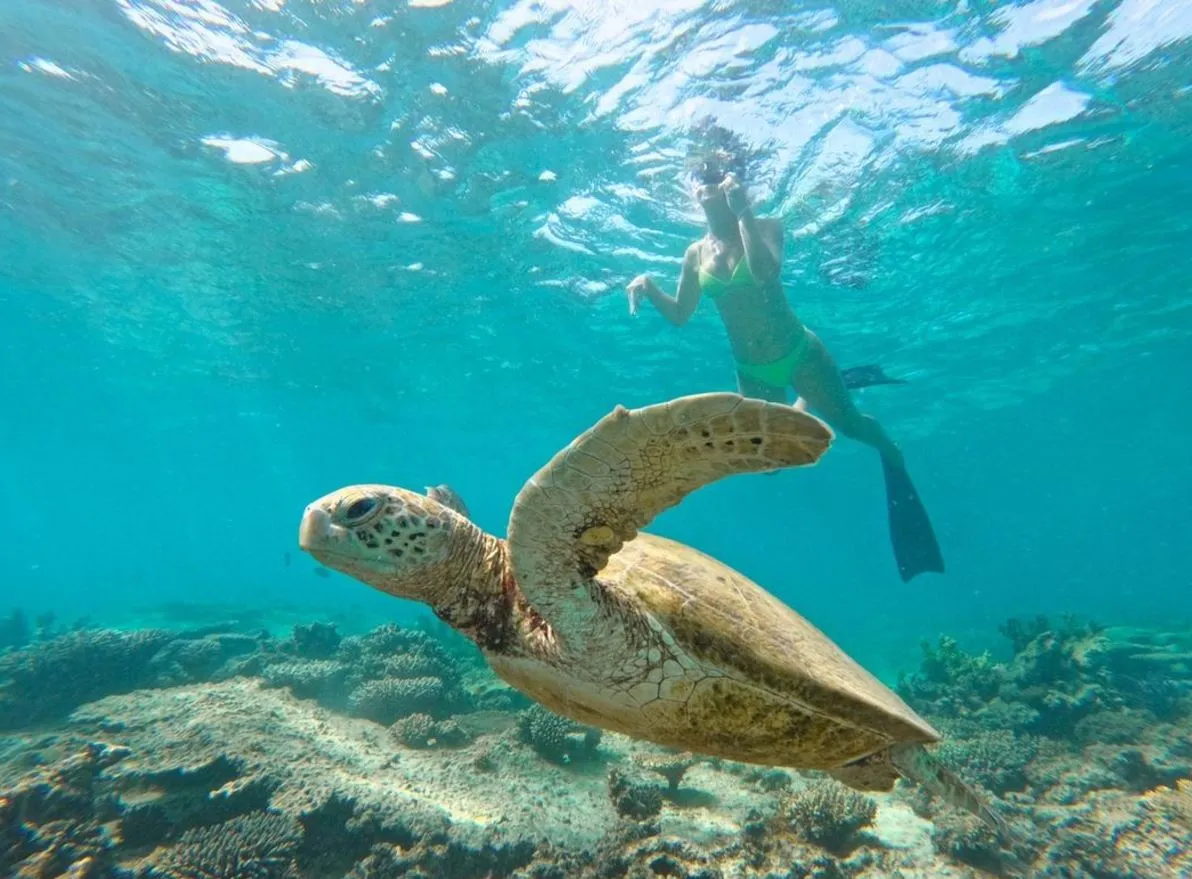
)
(734, 195)
(638, 288)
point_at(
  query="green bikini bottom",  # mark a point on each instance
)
(777, 373)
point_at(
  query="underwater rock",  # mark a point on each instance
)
(1118, 836)
(1104, 790)
(53, 822)
(557, 738)
(445, 857)
(157, 806)
(828, 814)
(191, 659)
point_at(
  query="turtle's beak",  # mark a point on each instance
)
(315, 529)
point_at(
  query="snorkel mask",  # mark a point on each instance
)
(710, 172)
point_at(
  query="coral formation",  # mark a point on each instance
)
(828, 814)
(14, 631)
(423, 731)
(633, 798)
(555, 737)
(316, 641)
(261, 845)
(671, 766)
(1076, 724)
(47, 679)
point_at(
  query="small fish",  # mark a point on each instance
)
(445, 495)
(286, 559)
(322, 572)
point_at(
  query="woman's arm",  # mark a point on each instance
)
(762, 238)
(678, 308)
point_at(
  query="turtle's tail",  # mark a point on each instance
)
(916, 764)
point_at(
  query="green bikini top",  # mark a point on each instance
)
(713, 287)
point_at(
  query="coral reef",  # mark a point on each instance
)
(47, 679)
(221, 753)
(1070, 730)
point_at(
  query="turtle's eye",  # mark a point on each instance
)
(359, 509)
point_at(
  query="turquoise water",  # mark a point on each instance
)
(252, 252)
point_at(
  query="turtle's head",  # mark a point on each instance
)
(400, 542)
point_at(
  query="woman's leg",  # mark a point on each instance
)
(817, 379)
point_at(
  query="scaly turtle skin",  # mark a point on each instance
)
(632, 632)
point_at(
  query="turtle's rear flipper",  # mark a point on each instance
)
(915, 764)
(866, 376)
(915, 547)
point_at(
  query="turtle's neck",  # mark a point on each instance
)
(481, 604)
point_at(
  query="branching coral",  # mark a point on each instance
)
(632, 797)
(828, 814)
(260, 845)
(423, 731)
(390, 699)
(555, 737)
(996, 758)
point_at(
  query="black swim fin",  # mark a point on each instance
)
(867, 376)
(911, 534)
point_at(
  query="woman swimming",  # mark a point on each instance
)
(737, 264)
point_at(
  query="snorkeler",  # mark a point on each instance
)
(737, 264)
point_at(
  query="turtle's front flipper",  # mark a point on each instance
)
(613, 479)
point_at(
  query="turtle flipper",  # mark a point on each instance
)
(916, 764)
(613, 479)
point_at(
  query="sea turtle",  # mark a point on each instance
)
(633, 632)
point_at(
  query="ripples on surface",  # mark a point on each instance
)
(257, 182)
